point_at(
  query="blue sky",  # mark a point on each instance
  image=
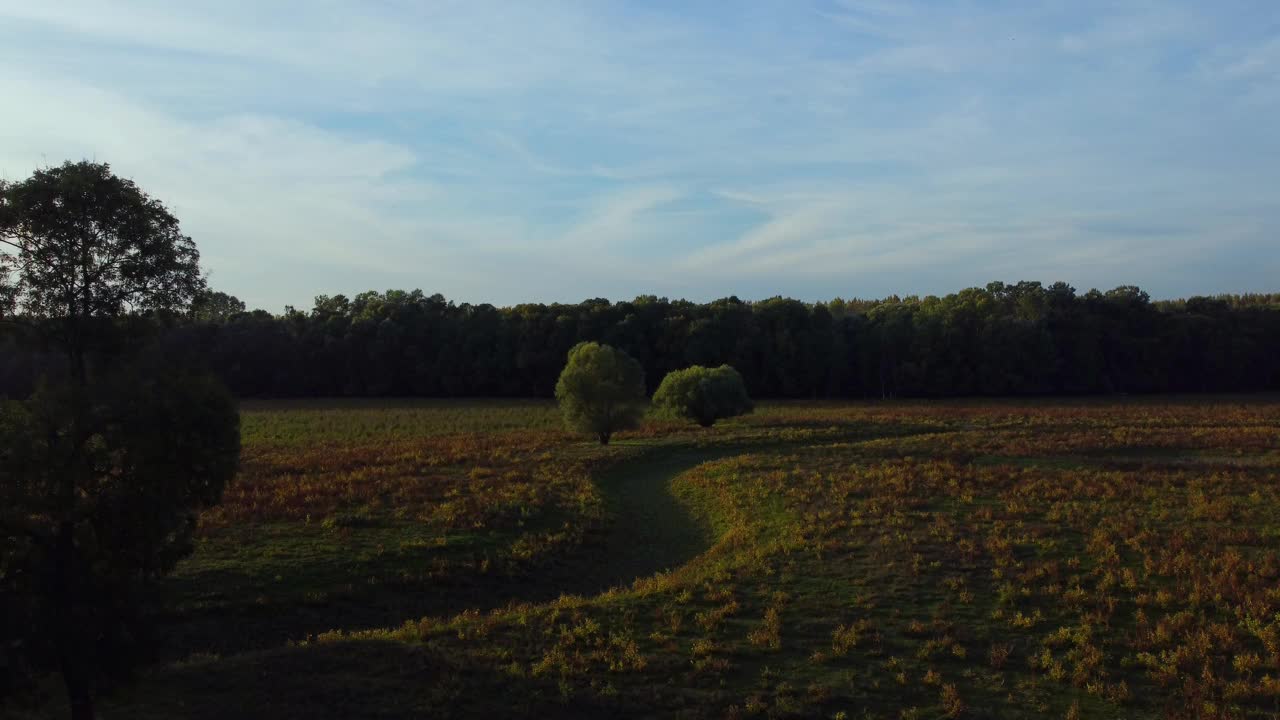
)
(538, 151)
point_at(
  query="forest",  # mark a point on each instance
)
(1005, 339)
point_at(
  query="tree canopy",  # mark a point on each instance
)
(601, 390)
(703, 395)
(81, 241)
(1002, 339)
(80, 246)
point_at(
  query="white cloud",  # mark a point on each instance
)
(508, 151)
(618, 218)
(268, 190)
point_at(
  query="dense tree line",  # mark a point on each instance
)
(1004, 339)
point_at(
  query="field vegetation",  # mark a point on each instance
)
(1063, 558)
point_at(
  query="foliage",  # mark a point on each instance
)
(1002, 339)
(106, 464)
(212, 306)
(81, 246)
(703, 395)
(97, 500)
(601, 390)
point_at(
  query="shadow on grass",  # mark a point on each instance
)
(359, 679)
(649, 531)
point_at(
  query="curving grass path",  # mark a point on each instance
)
(651, 531)
(262, 670)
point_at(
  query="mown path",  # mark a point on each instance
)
(648, 531)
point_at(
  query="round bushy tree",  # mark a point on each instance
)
(601, 390)
(703, 395)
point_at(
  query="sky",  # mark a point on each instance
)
(539, 151)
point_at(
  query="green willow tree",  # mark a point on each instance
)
(703, 395)
(601, 390)
(103, 468)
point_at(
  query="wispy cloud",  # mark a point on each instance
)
(1260, 61)
(621, 217)
(511, 151)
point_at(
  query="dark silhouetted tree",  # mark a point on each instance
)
(210, 306)
(82, 247)
(104, 467)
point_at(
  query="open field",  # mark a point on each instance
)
(900, 560)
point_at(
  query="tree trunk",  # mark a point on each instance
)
(71, 657)
(78, 691)
(884, 390)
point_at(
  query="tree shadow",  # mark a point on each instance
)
(359, 679)
(649, 531)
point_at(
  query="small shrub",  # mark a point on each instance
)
(703, 395)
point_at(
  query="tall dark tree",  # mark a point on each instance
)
(83, 247)
(103, 469)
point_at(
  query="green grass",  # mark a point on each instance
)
(346, 421)
(1013, 560)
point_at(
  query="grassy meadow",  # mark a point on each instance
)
(1064, 559)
